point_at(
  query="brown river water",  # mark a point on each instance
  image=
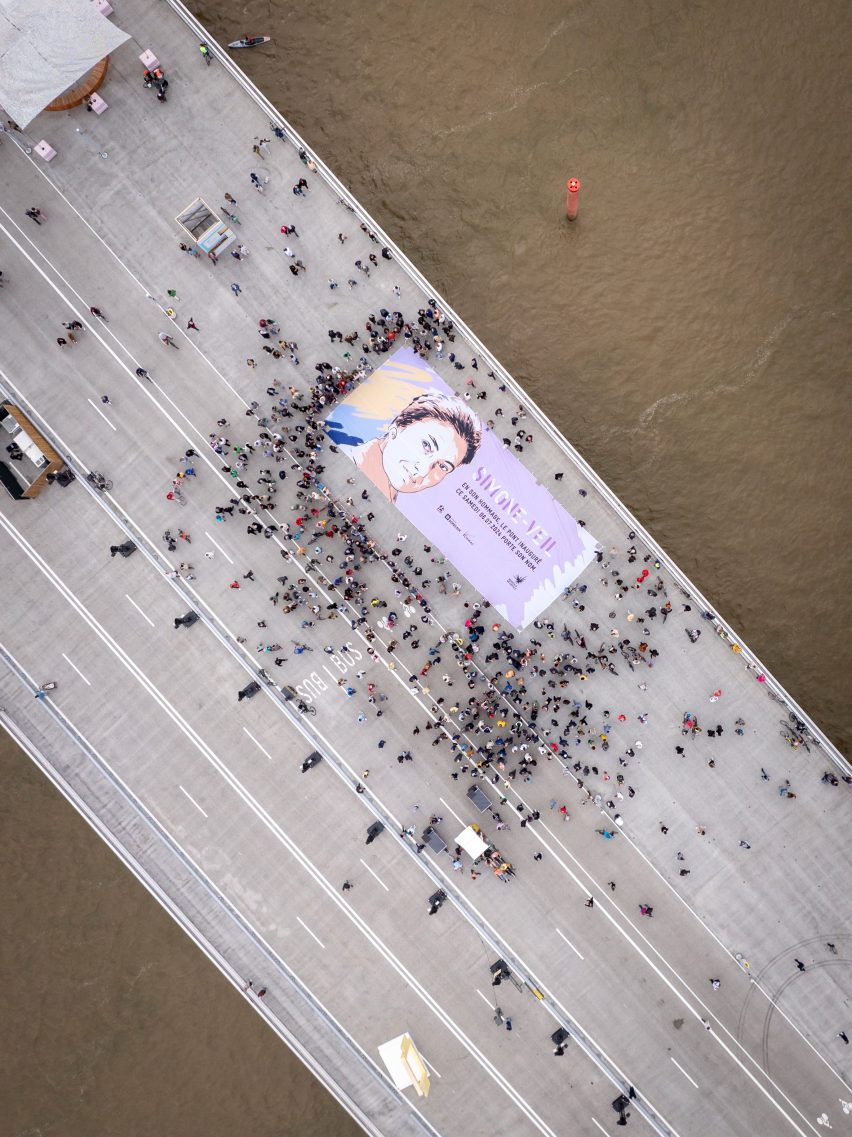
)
(690, 334)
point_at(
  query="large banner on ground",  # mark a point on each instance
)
(427, 451)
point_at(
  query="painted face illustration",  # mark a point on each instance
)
(419, 456)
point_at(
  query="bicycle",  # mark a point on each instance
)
(797, 730)
(305, 709)
(96, 479)
(792, 741)
(802, 728)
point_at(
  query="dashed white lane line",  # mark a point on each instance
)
(76, 668)
(568, 942)
(484, 998)
(370, 871)
(101, 413)
(596, 1122)
(257, 744)
(310, 933)
(685, 1073)
(218, 546)
(452, 811)
(192, 799)
(139, 610)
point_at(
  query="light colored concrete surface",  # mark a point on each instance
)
(641, 986)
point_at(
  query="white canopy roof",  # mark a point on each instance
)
(45, 47)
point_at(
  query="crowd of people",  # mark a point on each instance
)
(510, 702)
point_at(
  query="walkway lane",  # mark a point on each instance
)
(186, 687)
(764, 901)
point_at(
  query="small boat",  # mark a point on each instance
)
(250, 41)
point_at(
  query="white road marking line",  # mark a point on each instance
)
(192, 799)
(310, 933)
(596, 1122)
(685, 1073)
(139, 610)
(257, 744)
(373, 874)
(484, 999)
(101, 413)
(76, 668)
(428, 1063)
(218, 546)
(452, 811)
(568, 942)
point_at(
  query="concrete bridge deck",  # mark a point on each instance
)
(205, 796)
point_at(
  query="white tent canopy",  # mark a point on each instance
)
(472, 843)
(45, 47)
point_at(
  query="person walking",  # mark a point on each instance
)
(236, 289)
(35, 214)
(98, 314)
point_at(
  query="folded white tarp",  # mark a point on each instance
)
(45, 47)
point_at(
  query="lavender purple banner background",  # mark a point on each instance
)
(426, 450)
